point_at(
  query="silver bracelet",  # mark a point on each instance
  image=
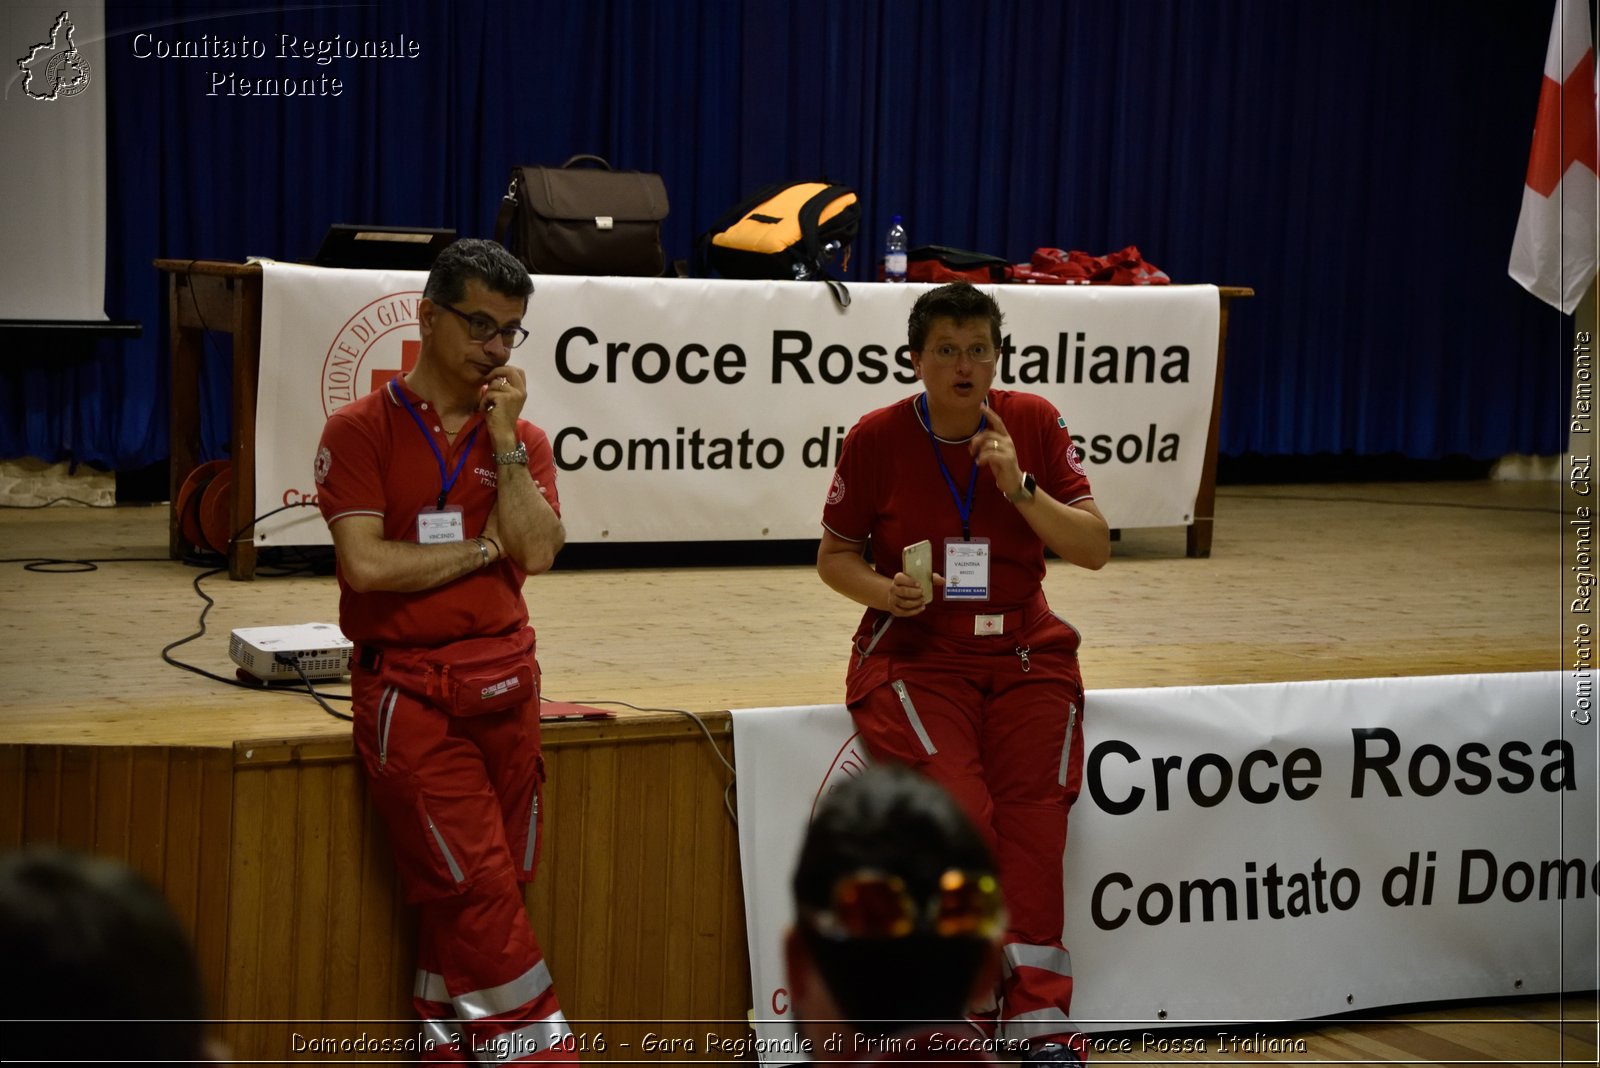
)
(482, 548)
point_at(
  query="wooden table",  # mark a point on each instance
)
(207, 295)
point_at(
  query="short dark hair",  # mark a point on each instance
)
(85, 937)
(960, 301)
(474, 258)
(892, 820)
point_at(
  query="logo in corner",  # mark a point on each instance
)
(54, 69)
(323, 464)
(836, 491)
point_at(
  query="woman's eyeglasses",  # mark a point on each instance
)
(982, 352)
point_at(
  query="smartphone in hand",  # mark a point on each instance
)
(917, 561)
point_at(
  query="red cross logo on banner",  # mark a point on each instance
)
(409, 351)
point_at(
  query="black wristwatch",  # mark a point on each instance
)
(1023, 492)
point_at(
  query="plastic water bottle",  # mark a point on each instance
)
(894, 252)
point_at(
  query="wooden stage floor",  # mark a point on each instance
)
(1305, 582)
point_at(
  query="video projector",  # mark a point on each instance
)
(321, 649)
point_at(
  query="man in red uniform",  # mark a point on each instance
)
(441, 502)
(978, 687)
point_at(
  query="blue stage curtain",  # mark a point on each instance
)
(1359, 163)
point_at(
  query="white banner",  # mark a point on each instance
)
(692, 409)
(1269, 852)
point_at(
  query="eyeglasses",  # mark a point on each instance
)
(481, 328)
(982, 352)
(875, 904)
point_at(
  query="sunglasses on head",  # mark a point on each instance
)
(875, 904)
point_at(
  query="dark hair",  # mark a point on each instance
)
(86, 938)
(892, 820)
(474, 258)
(960, 301)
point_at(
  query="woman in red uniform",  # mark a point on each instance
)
(979, 686)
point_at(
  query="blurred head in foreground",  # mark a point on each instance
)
(86, 939)
(898, 912)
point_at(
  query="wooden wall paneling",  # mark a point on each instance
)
(147, 811)
(537, 895)
(719, 943)
(641, 975)
(76, 783)
(41, 794)
(163, 812)
(346, 818)
(646, 958)
(313, 891)
(283, 896)
(184, 820)
(246, 892)
(588, 902)
(734, 983)
(112, 804)
(681, 878)
(12, 791)
(552, 896)
(386, 929)
(214, 867)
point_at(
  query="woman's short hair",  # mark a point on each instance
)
(961, 301)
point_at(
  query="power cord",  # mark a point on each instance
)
(60, 500)
(299, 669)
(730, 789)
(62, 566)
(282, 658)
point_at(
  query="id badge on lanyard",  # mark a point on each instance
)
(436, 526)
(966, 569)
(443, 523)
(966, 559)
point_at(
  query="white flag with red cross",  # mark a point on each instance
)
(1554, 252)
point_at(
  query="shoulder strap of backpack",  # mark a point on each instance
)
(810, 219)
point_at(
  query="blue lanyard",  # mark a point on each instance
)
(964, 507)
(445, 480)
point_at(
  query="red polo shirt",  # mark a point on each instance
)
(889, 487)
(375, 460)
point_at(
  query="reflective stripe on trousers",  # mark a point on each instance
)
(1040, 1023)
(477, 1004)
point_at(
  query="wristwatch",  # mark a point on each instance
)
(1023, 492)
(518, 455)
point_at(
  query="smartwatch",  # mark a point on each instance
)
(1023, 492)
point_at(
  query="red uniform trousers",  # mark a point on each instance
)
(460, 796)
(995, 720)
